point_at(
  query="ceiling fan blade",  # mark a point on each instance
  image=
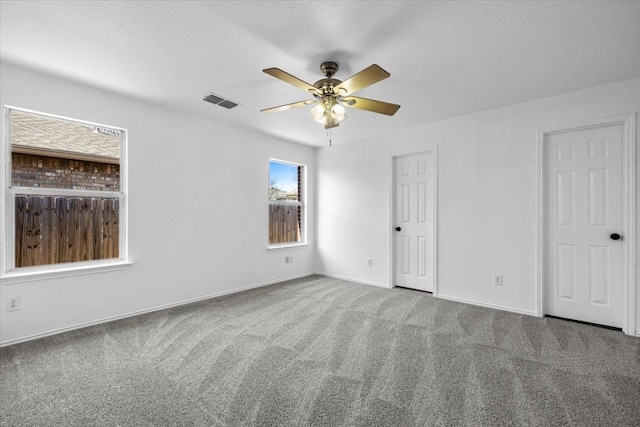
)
(370, 105)
(289, 106)
(364, 78)
(292, 80)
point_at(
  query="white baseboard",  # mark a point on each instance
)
(488, 305)
(450, 298)
(351, 279)
(146, 310)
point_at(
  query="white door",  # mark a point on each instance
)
(413, 222)
(584, 262)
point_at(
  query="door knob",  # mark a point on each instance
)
(398, 228)
(615, 236)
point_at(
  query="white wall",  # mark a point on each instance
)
(486, 196)
(210, 239)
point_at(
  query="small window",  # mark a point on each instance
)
(66, 192)
(286, 203)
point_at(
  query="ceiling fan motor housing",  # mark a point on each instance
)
(326, 85)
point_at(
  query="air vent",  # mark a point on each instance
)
(228, 104)
(213, 99)
(220, 101)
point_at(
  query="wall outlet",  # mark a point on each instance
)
(497, 279)
(288, 260)
(370, 262)
(13, 303)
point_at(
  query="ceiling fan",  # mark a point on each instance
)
(332, 95)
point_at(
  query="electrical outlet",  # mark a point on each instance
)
(13, 303)
(497, 280)
(370, 262)
(288, 260)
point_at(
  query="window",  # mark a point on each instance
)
(286, 203)
(65, 195)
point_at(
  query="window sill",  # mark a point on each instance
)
(286, 246)
(33, 274)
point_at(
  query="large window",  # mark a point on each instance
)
(64, 193)
(286, 203)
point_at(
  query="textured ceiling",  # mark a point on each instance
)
(445, 58)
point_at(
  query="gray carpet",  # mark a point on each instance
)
(320, 351)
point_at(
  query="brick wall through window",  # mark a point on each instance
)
(30, 170)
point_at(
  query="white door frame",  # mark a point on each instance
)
(628, 123)
(392, 214)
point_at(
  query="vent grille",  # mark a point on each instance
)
(228, 104)
(220, 101)
(213, 99)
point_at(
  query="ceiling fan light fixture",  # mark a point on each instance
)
(338, 112)
(318, 113)
(329, 109)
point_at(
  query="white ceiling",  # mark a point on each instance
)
(445, 58)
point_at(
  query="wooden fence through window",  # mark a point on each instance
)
(57, 229)
(284, 223)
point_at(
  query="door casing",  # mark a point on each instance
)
(628, 123)
(392, 214)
